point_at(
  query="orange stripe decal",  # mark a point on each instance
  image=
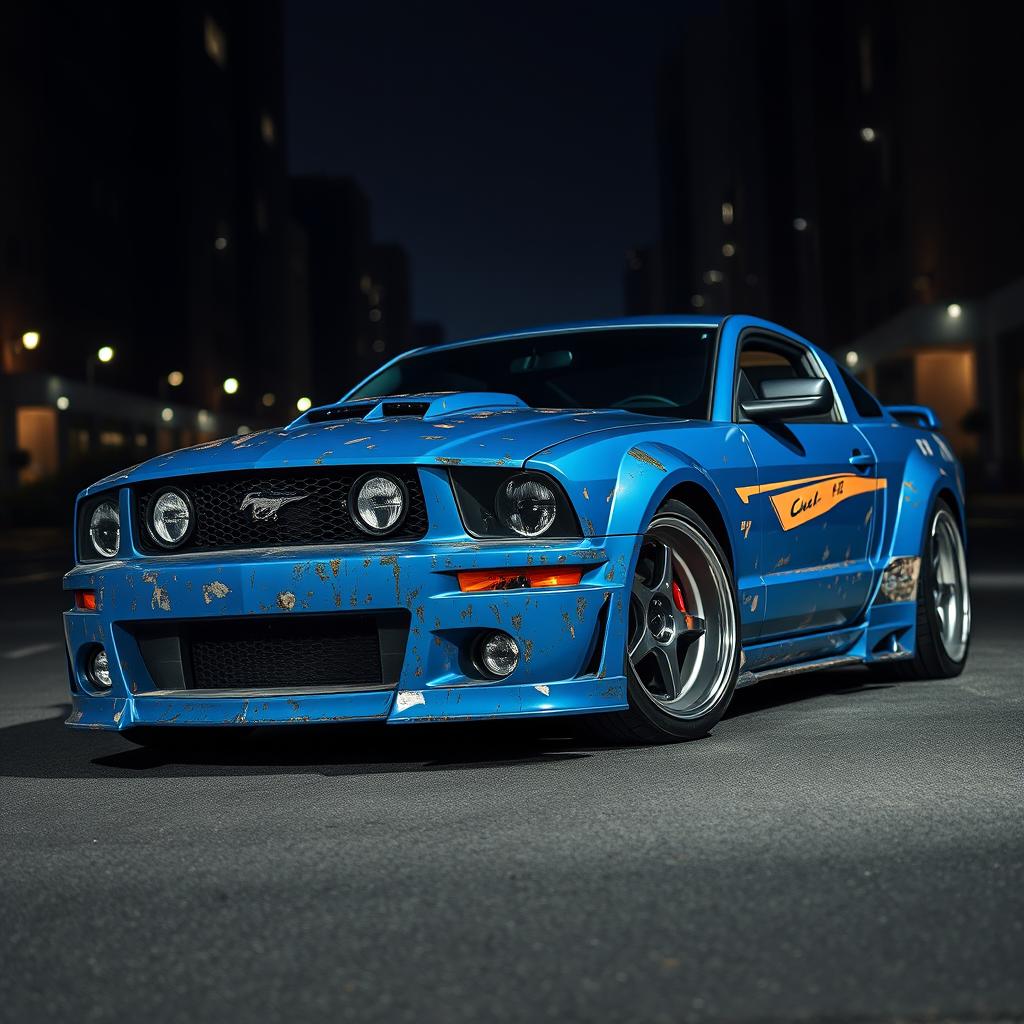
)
(746, 493)
(799, 506)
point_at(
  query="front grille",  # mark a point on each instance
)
(286, 653)
(320, 516)
(341, 651)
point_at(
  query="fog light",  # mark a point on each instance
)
(99, 669)
(498, 654)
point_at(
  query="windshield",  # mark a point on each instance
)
(663, 371)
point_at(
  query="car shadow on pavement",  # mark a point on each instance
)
(778, 692)
(45, 749)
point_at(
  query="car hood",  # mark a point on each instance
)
(494, 430)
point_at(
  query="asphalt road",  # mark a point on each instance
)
(837, 850)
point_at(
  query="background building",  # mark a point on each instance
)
(359, 292)
(841, 168)
(148, 218)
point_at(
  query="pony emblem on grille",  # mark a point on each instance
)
(265, 508)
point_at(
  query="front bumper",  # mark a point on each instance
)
(572, 639)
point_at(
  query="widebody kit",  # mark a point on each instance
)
(629, 518)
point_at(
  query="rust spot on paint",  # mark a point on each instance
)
(321, 570)
(335, 565)
(161, 599)
(213, 590)
(641, 456)
(396, 570)
(286, 600)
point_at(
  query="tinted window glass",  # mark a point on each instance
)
(863, 401)
(662, 371)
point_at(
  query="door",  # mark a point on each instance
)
(812, 502)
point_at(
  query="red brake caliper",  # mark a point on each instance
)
(677, 596)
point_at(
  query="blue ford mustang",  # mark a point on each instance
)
(624, 518)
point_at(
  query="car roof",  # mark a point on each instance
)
(582, 326)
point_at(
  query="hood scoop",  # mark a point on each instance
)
(420, 407)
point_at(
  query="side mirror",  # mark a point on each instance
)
(790, 399)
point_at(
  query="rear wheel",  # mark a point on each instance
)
(943, 603)
(682, 648)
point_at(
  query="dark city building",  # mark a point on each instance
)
(146, 212)
(334, 213)
(360, 295)
(848, 177)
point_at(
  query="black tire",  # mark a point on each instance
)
(931, 659)
(646, 720)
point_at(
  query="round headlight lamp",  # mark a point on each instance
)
(170, 518)
(105, 529)
(526, 505)
(378, 503)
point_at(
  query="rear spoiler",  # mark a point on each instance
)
(920, 416)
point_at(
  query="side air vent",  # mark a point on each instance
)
(418, 409)
(339, 412)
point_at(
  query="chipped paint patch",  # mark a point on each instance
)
(319, 460)
(641, 456)
(161, 599)
(543, 688)
(407, 698)
(286, 600)
(213, 590)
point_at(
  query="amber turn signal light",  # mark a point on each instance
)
(85, 600)
(518, 579)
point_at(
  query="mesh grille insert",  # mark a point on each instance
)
(339, 651)
(317, 512)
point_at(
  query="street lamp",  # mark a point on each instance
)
(954, 311)
(230, 385)
(175, 378)
(303, 403)
(105, 354)
(30, 339)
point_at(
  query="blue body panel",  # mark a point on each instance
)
(807, 579)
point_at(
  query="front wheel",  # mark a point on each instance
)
(682, 647)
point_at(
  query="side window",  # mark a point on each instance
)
(863, 401)
(764, 359)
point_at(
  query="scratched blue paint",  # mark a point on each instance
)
(806, 594)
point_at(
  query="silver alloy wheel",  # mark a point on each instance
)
(682, 622)
(950, 594)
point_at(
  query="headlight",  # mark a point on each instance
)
(378, 503)
(496, 503)
(170, 518)
(105, 529)
(526, 505)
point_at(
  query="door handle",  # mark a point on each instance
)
(861, 460)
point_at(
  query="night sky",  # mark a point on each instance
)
(510, 148)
